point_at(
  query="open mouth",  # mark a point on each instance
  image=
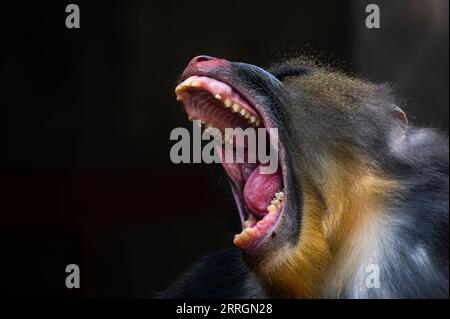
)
(259, 196)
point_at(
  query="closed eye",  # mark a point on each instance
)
(285, 71)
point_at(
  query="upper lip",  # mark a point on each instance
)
(219, 76)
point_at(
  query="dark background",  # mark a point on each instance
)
(85, 173)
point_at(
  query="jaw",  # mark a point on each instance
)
(267, 207)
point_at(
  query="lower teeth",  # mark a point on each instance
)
(254, 229)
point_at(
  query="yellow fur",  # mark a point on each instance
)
(348, 196)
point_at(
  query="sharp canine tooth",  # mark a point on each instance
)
(228, 103)
(244, 236)
(251, 231)
(218, 96)
(247, 234)
(179, 88)
(236, 107)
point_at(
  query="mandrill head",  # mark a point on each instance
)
(301, 223)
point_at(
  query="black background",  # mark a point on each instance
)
(85, 173)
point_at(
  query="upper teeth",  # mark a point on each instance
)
(235, 107)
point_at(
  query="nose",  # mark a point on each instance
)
(200, 59)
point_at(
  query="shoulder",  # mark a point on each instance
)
(221, 275)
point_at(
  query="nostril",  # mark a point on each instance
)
(201, 58)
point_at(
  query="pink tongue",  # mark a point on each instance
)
(260, 189)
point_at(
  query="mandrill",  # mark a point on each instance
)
(358, 207)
